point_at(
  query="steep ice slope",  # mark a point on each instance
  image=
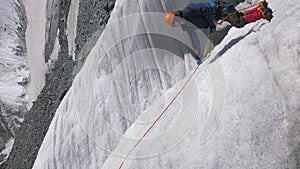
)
(13, 68)
(259, 126)
(96, 96)
(35, 39)
(13, 72)
(250, 92)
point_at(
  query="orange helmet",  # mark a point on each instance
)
(169, 18)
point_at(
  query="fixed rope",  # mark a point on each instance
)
(163, 112)
(185, 84)
(171, 102)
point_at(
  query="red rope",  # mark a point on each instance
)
(163, 112)
(177, 94)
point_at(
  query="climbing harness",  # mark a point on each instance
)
(172, 101)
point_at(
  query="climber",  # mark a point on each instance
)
(208, 14)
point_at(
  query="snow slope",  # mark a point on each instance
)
(241, 109)
(35, 39)
(13, 72)
(13, 68)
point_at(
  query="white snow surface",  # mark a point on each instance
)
(241, 109)
(13, 68)
(35, 42)
(71, 31)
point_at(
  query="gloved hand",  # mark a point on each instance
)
(198, 62)
(212, 28)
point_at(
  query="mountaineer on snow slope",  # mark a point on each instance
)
(208, 14)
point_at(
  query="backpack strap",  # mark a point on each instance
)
(223, 9)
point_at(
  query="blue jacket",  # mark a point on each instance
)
(201, 14)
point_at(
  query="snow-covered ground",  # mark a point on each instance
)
(72, 26)
(13, 68)
(22, 62)
(241, 109)
(35, 39)
(13, 73)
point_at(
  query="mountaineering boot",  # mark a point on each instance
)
(198, 62)
(264, 3)
(266, 12)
